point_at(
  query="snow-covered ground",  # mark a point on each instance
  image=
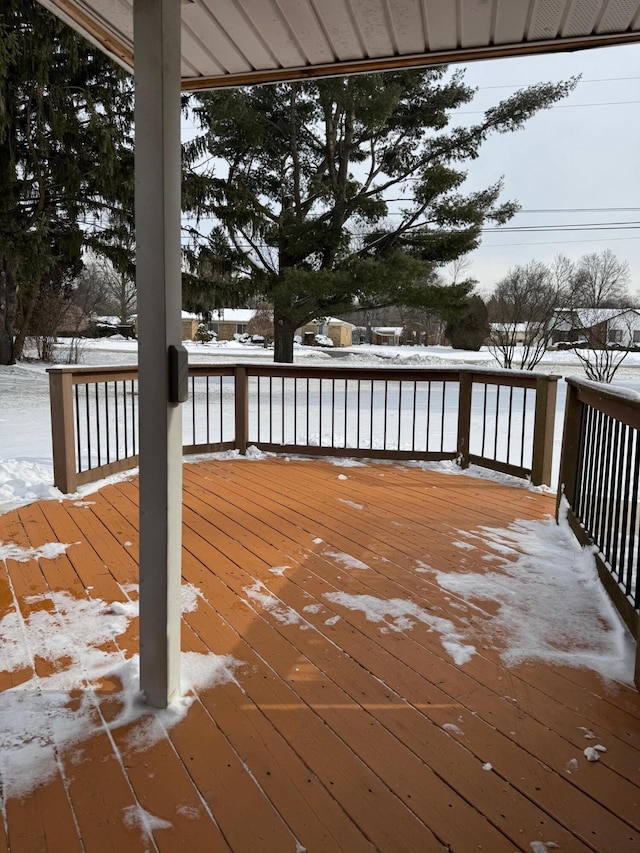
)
(26, 467)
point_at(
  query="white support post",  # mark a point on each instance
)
(158, 277)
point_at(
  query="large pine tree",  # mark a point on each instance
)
(301, 175)
(66, 157)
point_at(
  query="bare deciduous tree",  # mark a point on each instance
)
(601, 280)
(607, 334)
(600, 287)
(522, 312)
(103, 289)
(584, 300)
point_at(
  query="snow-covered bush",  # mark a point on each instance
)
(323, 341)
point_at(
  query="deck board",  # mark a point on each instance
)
(334, 735)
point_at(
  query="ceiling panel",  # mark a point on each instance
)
(372, 20)
(546, 19)
(266, 19)
(475, 23)
(408, 25)
(248, 40)
(338, 24)
(209, 35)
(196, 55)
(510, 22)
(618, 15)
(442, 22)
(232, 42)
(301, 18)
(582, 18)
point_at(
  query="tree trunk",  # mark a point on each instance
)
(8, 297)
(284, 328)
(18, 344)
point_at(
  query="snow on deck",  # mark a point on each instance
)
(375, 657)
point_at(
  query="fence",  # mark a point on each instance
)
(498, 419)
(599, 479)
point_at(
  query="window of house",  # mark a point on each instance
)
(213, 327)
(241, 328)
(636, 336)
(614, 336)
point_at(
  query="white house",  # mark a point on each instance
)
(516, 333)
(598, 326)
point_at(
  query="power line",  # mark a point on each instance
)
(540, 210)
(580, 82)
(554, 107)
(631, 225)
(586, 226)
(556, 242)
(576, 209)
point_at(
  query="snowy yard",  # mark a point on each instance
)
(26, 471)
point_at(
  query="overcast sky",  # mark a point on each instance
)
(583, 153)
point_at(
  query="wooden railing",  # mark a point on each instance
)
(497, 419)
(600, 480)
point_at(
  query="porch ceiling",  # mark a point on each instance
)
(234, 42)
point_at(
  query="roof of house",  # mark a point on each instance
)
(586, 318)
(224, 315)
(329, 321)
(514, 327)
(232, 315)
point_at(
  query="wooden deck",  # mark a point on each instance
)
(337, 733)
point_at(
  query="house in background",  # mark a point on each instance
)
(72, 320)
(340, 332)
(225, 323)
(516, 333)
(190, 323)
(598, 327)
(413, 334)
(388, 336)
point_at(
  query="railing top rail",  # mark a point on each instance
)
(619, 403)
(444, 373)
(206, 369)
(448, 372)
(78, 370)
(99, 373)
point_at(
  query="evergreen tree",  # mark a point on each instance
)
(308, 170)
(472, 330)
(66, 159)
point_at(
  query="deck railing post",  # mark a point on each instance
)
(464, 417)
(546, 390)
(570, 448)
(241, 408)
(62, 430)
